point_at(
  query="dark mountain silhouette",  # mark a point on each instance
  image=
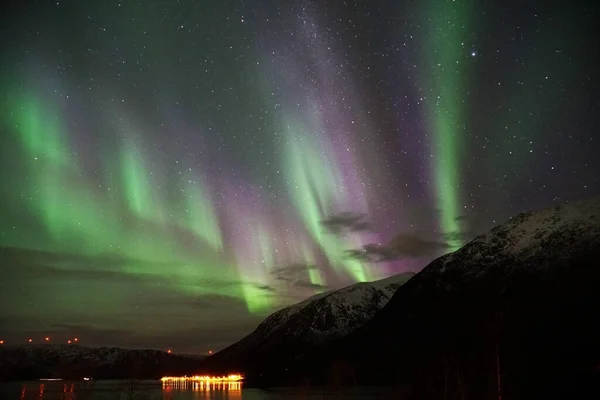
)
(75, 362)
(300, 330)
(511, 315)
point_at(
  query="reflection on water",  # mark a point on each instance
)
(211, 390)
(59, 390)
(176, 390)
(117, 390)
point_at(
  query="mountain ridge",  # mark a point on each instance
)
(527, 286)
(36, 361)
(523, 295)
(309, 324)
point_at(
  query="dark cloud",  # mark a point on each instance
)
(26, 263)
(372, 253)
(266, 288)
(218, 301)
(198, 323)
(346, 222)
(297, 275)
(44, 271)
(306, 284)
(411, 245)
(17, 265)
(216, 283)
(28, 275)
(291, 271)
(403, 245)
(14, 256)
(165, 299)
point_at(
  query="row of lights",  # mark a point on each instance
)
(204, 378)
(47, 339)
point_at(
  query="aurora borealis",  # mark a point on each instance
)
(172, 172)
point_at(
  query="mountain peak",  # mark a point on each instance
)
(315, 321)
(544, 235)
(531, 228)
(523, 296)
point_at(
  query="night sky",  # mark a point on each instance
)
(174, 171)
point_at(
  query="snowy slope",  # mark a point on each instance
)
(526, 234)
(314, 322)
(529, 286)
(536, 238)
(349, 304)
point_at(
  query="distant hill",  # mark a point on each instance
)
(305, 328)
(71, 361)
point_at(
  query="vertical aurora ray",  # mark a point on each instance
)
(316, 189)
(84, 219)
(253, 255)
(201, 216)
(137, 184)
(314, 274)
(44, 145)
(444, 87)
(56, 190)
(169, 169)
(320, 158)
(257, 260)
(40, 130)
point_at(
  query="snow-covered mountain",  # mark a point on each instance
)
(534, 239)
(72, 361)
(515, 307)
(309, 325)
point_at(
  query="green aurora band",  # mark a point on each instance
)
(82, 220)
(315, 185)
(126, 219)
(443, 85)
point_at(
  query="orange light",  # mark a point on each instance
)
(68, 341)
(30, 340)
(205, 378)
(1, 341)
(75, 339)
(47, 339)
(210, 352)
(169, 351)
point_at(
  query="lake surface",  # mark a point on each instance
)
(156, 390)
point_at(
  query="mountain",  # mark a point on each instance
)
(514, 311)
(304, 328)
(71, 361)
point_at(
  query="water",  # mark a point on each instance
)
(155, 390)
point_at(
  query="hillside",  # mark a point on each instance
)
(71, 361)
(304, 328)
(518, 303)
